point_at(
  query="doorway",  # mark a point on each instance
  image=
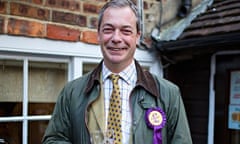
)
(226, 131)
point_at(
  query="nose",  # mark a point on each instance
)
(116, 38)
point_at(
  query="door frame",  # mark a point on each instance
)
(212, 93)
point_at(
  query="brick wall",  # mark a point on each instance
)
(69, 20)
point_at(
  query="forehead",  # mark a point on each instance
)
(117, 16)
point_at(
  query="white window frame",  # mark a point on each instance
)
(73, 53)
(25, 58)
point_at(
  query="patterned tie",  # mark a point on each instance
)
(115, 113)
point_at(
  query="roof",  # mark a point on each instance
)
(218, 29)
(222, 17)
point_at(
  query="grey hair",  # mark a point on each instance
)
(120, 4)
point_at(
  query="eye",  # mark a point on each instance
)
(127, 31)
(107, 30)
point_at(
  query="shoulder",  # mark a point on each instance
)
(165, 85)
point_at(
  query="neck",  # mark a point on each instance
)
(116, 67)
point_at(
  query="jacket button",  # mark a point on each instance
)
(134, 123)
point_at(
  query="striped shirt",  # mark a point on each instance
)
(127, 82)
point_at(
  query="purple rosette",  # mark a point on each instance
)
(156, 120)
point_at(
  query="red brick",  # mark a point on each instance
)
(93, 22)
(64, 4)
(51, 2)
(91, 8)
(69, 18)
(29, 11)
(1, 24)
(89, 37)
(62, 33)
(39, 2)
(26, 28)
(145, 5)
(3, 7)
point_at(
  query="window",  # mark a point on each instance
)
(29, 87)
(32, 76)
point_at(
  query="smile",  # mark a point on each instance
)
(116, 49)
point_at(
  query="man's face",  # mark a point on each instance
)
(118, 36)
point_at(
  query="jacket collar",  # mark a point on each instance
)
(144, 79)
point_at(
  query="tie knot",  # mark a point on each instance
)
(114, 78)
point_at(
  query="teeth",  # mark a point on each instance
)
(116, 49)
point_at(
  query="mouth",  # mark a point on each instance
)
(115, 49)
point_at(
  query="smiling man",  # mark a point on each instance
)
(118, 36)
(119, 101)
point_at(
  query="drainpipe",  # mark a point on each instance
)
(185, 8)
(141, 13)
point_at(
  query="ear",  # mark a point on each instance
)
(98, 36)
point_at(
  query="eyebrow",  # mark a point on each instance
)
(124, 26)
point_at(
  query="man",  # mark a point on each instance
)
(151, 109)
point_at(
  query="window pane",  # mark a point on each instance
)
(11, 80)
(46, 81)
(11, 132)
(10, 109)
(11, 87)
(36, 131)
(40, 108)
(88, 67)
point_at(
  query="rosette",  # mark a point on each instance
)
(156, 120)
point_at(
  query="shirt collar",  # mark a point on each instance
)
(145, 79)
(129, 74)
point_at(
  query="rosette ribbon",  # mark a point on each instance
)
(156, 120)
